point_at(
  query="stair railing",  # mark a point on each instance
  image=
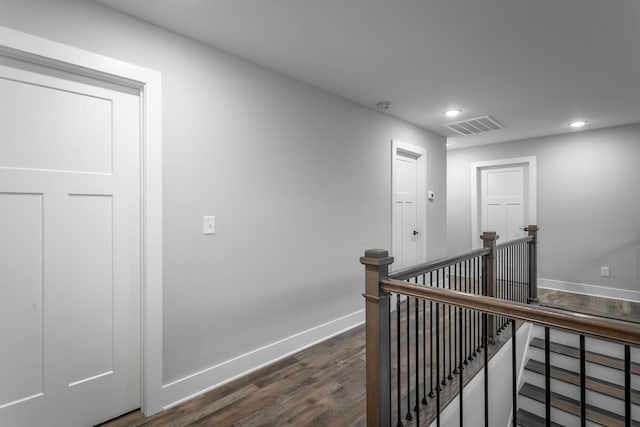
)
(441, 325)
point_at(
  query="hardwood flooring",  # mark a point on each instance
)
(323, 385)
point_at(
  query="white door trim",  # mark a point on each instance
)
(421, 157)
(25, 47)
(532, 191)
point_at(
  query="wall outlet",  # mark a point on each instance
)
(209, 225)
(604, 271)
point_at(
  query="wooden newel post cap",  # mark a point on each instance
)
(489, 235)
(532, 228)
(376, 257)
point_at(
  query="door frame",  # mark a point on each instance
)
(421, 197)
(531, 196)
(25, 47)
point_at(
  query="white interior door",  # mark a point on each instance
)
(503, 201)
(69, 248)
(408, 205)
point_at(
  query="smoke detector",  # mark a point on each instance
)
(475, 125)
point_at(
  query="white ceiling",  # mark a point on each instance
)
(534, 65)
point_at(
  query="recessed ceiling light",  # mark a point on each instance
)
(453, 112)
(578, 123)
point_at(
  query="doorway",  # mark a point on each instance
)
(409, 205)
(62, 189)
(70, 264)
(504, 197)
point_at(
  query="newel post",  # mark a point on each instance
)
(490, 272)
(378, 368)
(533, 264)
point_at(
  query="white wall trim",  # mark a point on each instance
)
(476, 167)
(201, 382)
(595, 290)
(25, 47)
(421, 156)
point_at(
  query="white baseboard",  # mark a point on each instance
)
(210, 378)
(581, 288)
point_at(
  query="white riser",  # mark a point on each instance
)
(557, 416)
(592, 369)
(593, 398)
(591, 344)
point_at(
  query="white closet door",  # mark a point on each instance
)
(69, 248)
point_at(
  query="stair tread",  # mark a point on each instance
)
(590, 356)
(527, 419)
(571, 406)
(594, 384)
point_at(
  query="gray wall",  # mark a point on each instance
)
(298, 179)
(588, 203)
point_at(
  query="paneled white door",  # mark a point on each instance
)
(69, 248)
(406, 231)
(502, 201)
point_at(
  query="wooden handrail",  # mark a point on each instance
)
(583, 324)
(514, 242)
(418, 269)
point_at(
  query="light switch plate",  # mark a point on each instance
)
(209, 225)
(604, 271)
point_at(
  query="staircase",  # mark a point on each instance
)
(604, 382)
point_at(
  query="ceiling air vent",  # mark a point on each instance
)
(476, 125)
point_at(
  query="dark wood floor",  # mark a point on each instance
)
(323, 385)
(320, 386)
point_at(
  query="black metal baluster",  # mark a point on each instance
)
(523, 288)
(583, 383)
(511, 286)
(547, 378)
(478, 323)
(460, 378)
(424, 345)
(444, 333)
(499, 295)
(417, 306)
(437, 360)
(467, 330)
(472, 315)
(527, 275)
(390, 358)
(431, 343)
(519, 287)
(486, 369)
(455, 326)
(514, 374)
(481, 291)
(408, 417)
(511, 267)
(450, 376)
(519, 270)
(627, 386)
(398, 372)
